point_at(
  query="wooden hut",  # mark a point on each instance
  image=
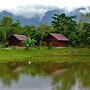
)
(17, 40)
(57, 40)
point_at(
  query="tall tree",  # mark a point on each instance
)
(3, 35)
(16, 27)
(66, 25)
(6, 21)
(44, 30)
(86, 34)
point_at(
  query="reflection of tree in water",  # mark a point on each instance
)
(64, 76)
(8, 72)
(42, 69)
(7, 75)
(83, 74)
(64, 81)
(69, 78)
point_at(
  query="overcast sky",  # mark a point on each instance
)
(30, 8)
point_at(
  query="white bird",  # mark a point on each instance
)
(29, 62)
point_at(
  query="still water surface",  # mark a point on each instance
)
(44, 76)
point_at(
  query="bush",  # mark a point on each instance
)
(6, 44)
(50, 47)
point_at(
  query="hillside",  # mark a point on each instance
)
(47, 18)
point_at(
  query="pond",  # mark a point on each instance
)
(44, 76)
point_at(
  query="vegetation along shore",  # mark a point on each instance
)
(44, 54)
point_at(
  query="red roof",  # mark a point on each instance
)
(59, 37)
(20, 37)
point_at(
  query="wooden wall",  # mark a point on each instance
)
(14, 41)
(54, 42)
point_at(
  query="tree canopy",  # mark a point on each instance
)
(66, 25)
(77, 31)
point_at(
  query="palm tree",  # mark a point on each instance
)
(29, 42)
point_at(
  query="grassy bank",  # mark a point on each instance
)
(44, 54)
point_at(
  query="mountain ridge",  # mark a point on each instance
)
(47, 18)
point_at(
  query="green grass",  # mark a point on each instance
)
(44, 54)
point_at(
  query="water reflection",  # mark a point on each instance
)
(51, 76)
(76, 78)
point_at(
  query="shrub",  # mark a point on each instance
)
(50, 47)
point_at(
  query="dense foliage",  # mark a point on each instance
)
(77, 32)
(29, 42)
(66, 25)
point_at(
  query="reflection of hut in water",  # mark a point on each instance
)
(48, 68)
(59, 72)
(55, 67)
(17, 66)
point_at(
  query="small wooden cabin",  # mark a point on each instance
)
(57, 40)
(17, 40)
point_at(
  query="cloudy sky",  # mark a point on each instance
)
(30, 8)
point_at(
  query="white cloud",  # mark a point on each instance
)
(30, 11)
(30, 8)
